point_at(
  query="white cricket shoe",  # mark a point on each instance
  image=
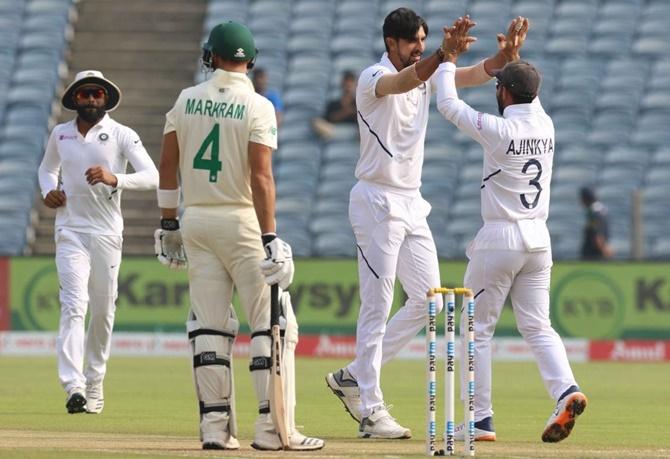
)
(380, 424)
(266, 438)
(75, 402)
(215, 433)
(484, 431)
(95, 400)
(215, 442)
(345, 387)
(562, 420)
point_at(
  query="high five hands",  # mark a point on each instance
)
(456, 40)
(510, 44)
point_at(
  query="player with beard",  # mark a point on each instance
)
(90, 154)
(386, 210)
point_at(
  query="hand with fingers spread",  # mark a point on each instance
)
(456, 40)
(54, 199)
(98, 174)
(510, 44)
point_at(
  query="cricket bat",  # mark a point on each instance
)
(277, 407)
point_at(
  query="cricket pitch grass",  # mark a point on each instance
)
(151, 412)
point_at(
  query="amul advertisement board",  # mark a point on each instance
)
(589, 300)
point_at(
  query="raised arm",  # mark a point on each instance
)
(508, 50)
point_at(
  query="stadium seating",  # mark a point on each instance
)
(606, 83)
(33, 41)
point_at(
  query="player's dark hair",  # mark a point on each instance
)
(522, 100)
(403, 23)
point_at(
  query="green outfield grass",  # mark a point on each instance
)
(150, 411)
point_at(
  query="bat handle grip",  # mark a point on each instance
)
(274, 305)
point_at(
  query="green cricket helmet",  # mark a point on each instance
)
(231, 41)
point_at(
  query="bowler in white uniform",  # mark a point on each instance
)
(511, 253)
(91, 154)
(387, 212)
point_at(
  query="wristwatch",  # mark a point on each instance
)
(169, 224)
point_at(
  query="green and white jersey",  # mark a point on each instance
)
(214, 122)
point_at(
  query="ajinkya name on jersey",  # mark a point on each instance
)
(530, 147)
(214, 109)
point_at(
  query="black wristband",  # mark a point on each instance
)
(267, 238)
(169, 224)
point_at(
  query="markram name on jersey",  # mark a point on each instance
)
(214, 109)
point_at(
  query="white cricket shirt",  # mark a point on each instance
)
(94, 209)
(214, 123)
(393, 127)
(392, 130)
(518, 161)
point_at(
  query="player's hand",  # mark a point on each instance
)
(510, 45)
(278, 267)
(456, 39)
(98, 174)
(54, 199)
(169, 248)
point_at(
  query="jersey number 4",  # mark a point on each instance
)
(211, 144)
(535, 181)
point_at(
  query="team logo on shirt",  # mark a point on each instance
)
(67, 137)
(103, 137)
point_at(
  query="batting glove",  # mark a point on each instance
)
(278, 267)
(169, 247)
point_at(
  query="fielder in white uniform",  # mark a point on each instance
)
(387, 212)
(90, 153)
(511, 253)
(218, 142)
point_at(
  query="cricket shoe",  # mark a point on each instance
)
(345, 387)
(229, 443)
(95, 400)
(266, 438)
(380, 424)
(75, 401)
(562, 420)
(215, 431)
(484, 430)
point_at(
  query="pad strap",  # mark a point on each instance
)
(214, 408)
(209, 358)
(260, 363)
(209, 331)
(266, 333)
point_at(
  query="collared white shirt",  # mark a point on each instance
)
(392, 130)
(214, 123)
(518, 160)
(94, 209)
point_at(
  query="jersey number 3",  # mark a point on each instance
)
(535, 181)
(211, 144)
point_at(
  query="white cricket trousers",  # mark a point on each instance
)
(393, 237)
(525, 276)
(88, 271)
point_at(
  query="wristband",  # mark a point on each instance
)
(169, 224)
(168, 199)
(268, 237)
